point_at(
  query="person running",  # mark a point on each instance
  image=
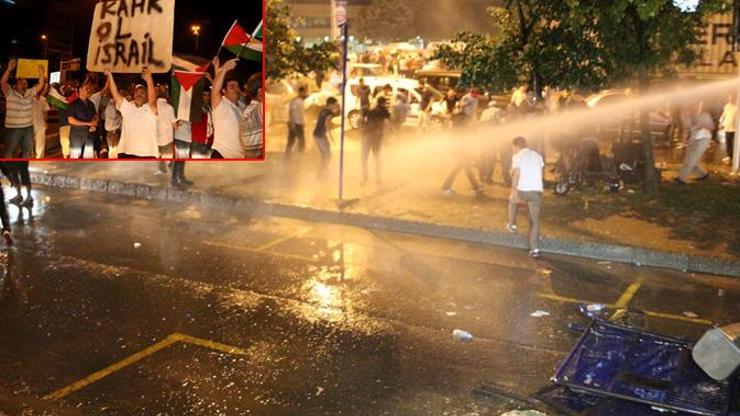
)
(139, 119)
(372, 138)
(527, 168)
(19, 112)
(296, 120)
(322, 133)
(4, 218)
(425, 106)
(728, 121)
(698, 129)
(83, 118)
(226, 111)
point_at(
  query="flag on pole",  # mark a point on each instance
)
(186, 90)
(243, 45)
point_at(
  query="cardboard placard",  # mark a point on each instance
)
(29, 68)
(128, 35)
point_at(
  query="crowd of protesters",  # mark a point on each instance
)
(109, 122)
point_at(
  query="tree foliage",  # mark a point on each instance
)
(385, 20)
(285, 54)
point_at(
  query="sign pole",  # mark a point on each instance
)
(345, 31)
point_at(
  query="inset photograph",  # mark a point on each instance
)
(129, 79)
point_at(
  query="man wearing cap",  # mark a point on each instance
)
(139, 125)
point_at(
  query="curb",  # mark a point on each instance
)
(591, 250)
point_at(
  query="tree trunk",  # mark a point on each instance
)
(650, 178)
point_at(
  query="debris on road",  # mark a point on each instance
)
(137, 244)
(462, 335)
(539, 314)
(451, 313)
(523, 413)
(690, 314)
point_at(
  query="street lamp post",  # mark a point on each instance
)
(195, 29)
(45, 41)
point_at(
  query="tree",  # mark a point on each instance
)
(541, 42)
(386, 20)
(285, 54)
(280, 38)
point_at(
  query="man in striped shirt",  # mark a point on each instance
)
(19, 113)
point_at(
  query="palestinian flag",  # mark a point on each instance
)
(57, 100)
(243, 45)
(186, 90)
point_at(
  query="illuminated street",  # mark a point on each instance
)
(274, 317)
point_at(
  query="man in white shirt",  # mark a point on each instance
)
(728, 121)
(226, 111)
(139, 119)
(527, 169)
(296, 121)
(40, 112)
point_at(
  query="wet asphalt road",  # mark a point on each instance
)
(283, 317)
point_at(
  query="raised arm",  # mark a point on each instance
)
(218, 82)
(117, 97)
(43, 84)
(6, 75)
(151, 93)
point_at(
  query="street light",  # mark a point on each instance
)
(195, 30)
(44, 40)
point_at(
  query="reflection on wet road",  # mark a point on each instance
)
(321, 319)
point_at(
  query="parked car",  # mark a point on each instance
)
(440, 79)
(628, 123)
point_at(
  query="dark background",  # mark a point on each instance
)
(67, 25)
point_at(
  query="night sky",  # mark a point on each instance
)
(23, 23)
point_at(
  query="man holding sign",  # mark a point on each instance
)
(139, 119)
(19, 112)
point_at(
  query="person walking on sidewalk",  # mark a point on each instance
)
(19, 112)
(139, 119)
(296, 120)
(322, 133)
(178, 174)
(698, 127)
(728, 121)
(372, 137)
(527, 168)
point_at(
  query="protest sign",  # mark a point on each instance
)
(128, 35)
(29, 68)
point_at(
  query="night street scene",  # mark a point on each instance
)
(123, 79)
(465, 208)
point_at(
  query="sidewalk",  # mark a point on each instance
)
(692, 227)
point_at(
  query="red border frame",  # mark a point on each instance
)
(264, 130)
